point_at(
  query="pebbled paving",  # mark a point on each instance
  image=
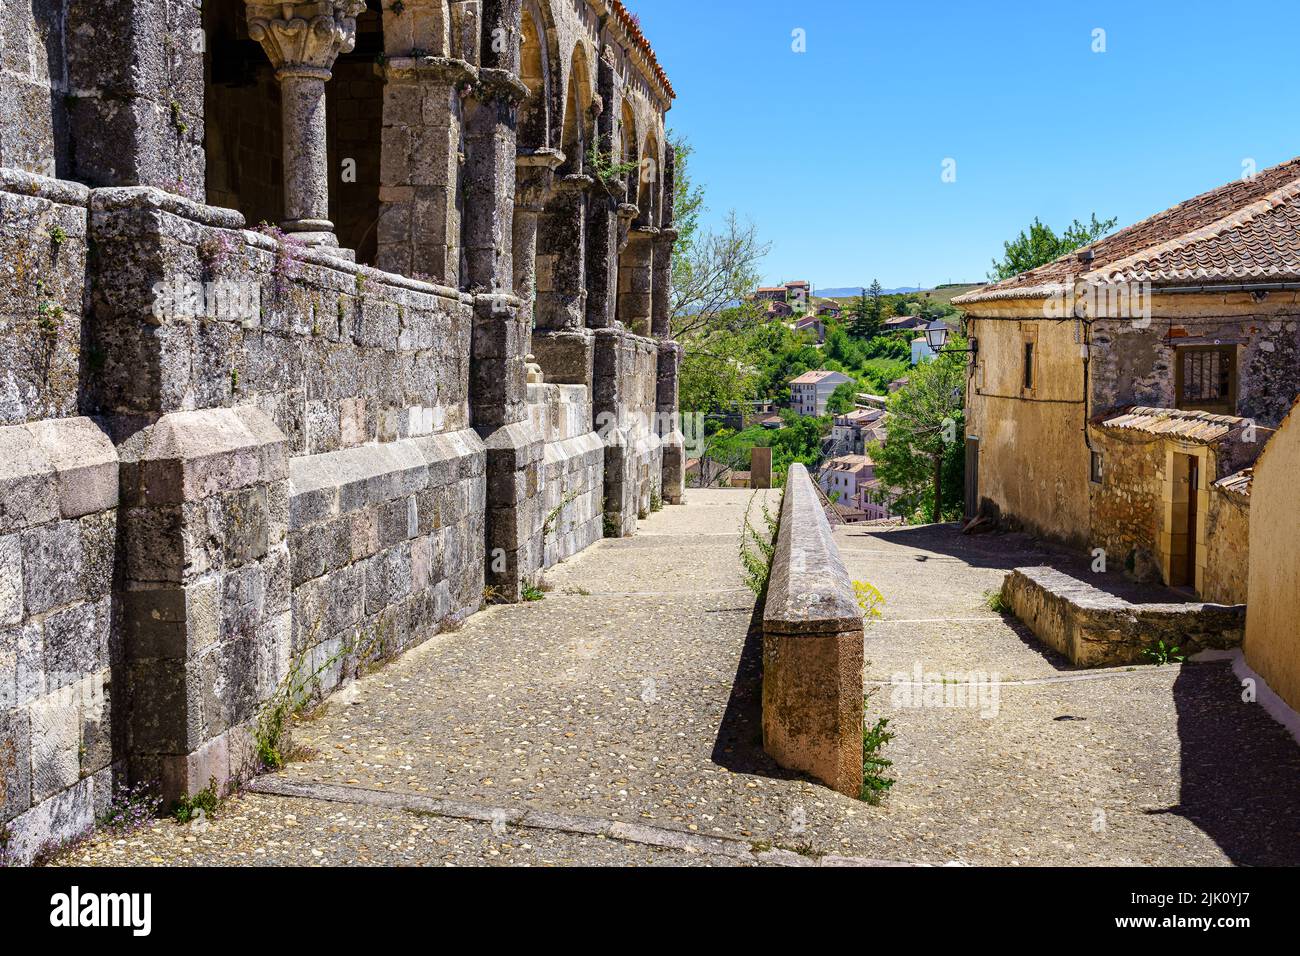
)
(629, 697)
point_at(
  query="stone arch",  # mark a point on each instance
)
(535, 71)
(578, 127)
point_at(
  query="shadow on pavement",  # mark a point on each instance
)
(738, 745)
(1240, 769)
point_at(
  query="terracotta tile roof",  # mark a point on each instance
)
(1202, 428)
(1246, 230)
(1239, 483)
(632, 24)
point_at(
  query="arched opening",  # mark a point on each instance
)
(650, 176)
(244, 137)
(242, 131)
(628, 138)
(534, 69)
(578, 121)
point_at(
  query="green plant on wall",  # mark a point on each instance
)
(604, 169)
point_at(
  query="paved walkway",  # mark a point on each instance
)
(616, 722)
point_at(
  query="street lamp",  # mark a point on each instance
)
(936, 337)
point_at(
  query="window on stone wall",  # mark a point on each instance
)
(1096, 472)
(1206, 379)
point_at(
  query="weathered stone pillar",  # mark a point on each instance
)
(498, 384)
(419, 219)
(668, 424)
(302, 41)
(131, 83)
(534, 181)
(636, 280)
(563, 345)
(561, 269)
(662, 292)
(602, 222)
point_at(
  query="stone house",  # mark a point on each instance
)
(1115, 392)
(810, 391)
(233, 454)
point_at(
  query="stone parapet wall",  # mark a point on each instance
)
(335, 353)
(42, 295)
(1227, 542)
(58, 532)
(387, 549)
(1096, 629)
(813, 693)
(624, 398)
(573, 471)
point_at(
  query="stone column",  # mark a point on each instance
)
(602, 221)
(668, 423)
(564, 347)
(302, 41)
(636, 280)
(561, 269)
(498, 384)
(534, 182)
(662, 291)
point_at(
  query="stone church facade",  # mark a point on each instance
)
(239, 458)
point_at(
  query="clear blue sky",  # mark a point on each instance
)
(836, 153)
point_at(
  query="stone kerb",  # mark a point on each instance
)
(812, 648)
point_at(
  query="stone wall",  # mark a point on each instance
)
(573, 473)
(1272, 645)
(387, 548)
(42, 296)
(336, 354)
(1134, 364)
(1127, 504)
(1227, 543)
(1096, 629)
(58, 514)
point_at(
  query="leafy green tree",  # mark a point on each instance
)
(1040, 245)
(843, 399)
(922, 458)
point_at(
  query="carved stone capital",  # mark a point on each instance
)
(304, 38)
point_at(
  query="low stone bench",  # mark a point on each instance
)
(1096, 629)
(812, 648)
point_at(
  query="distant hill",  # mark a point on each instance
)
(943, 294)
(852, 291)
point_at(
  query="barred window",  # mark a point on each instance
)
(1207, 379)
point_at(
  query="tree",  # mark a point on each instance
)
(713, 270)
(868, 312)
(843, 399)
(1040, 245)
(922, 458)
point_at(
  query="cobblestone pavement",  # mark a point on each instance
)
(616, 722)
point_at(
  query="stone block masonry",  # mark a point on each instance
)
(1096, 629)
(58, 531)
(812, 648)
(241, 465)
